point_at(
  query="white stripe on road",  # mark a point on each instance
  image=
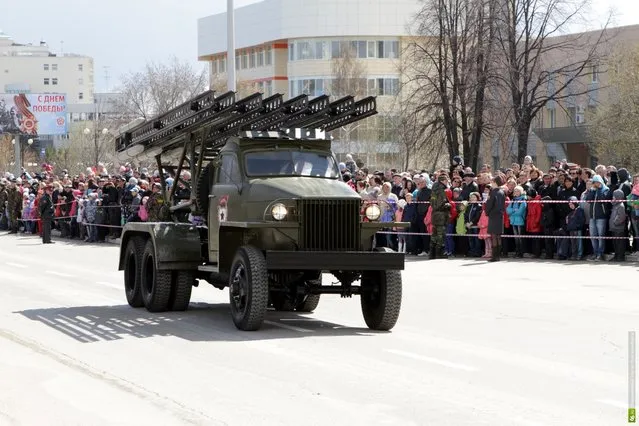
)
(17, 265)
(59, 274)
(109, 284)
(432, 360)
(288, 327)
(612, 403)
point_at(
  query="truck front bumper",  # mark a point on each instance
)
(334, 261)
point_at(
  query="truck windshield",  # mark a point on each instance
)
(290, 163)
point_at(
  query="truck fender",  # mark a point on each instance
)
(176, 245)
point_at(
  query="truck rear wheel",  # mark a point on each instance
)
(381, 299)
(156, 285)
(248, 289)
(310, 302)
(133, 272)
(181, 291)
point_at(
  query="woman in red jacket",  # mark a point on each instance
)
(533, 221)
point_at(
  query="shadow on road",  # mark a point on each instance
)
(202, 322)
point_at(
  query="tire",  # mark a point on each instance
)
(310, 302)
(248, 289)
(381, 299)
(156, 285)
(133, 272)
(181, 290)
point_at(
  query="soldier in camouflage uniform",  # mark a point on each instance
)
(14, 208)
(4, 197)
(440, 216)
(154, 203)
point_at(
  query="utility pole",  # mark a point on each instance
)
(17, 139)
(230, 55)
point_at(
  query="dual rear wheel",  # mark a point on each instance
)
(144, 285)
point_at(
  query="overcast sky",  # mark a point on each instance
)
(124, 34)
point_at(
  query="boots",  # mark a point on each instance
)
(433, 252)
(496, 255)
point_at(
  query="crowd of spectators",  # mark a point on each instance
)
(92, 206)
(566, 212)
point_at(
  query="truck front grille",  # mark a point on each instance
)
(329, 225)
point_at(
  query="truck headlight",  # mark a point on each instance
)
(278, 211)
(373, 212)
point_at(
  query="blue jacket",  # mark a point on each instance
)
(576, 220)
(598, 209)
(517, 211)
(410, 213)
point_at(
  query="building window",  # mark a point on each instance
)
(595, 73)
(260, 58)
(46, 81)
(252, 60)
(336, 49)
(372, 51)
(308, 86)
(80, 95)
(383, 86)
(214, 66)
(46, 67)
(552, 119)
(80, 81)
(54, 81)
(244, 61)
(80, 67)
(54, 67)
(268, 58)
(222, 65)
(237, 62)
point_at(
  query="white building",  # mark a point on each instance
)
(288, 47)
(27, 68)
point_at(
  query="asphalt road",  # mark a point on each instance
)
(513, 343)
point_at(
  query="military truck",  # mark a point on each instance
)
(277, 215)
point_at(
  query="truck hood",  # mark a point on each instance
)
(268, 189)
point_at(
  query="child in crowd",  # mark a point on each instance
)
(575, 221)
(618, 225)
(516, 211)
(471, 218)
(401, 238)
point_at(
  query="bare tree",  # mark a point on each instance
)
(449, 64)
(614, 125)
(540, 64)
(160, 87)
(349, 79)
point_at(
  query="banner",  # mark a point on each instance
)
(33, 114)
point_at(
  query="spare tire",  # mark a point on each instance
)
(203, 189)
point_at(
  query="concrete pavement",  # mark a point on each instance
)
(510, 343)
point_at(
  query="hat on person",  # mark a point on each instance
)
(135, 189)
(470, 174)
(598, 179)
(573, 198)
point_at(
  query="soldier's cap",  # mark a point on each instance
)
(157, 184)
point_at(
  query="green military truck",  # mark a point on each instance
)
(277, 215)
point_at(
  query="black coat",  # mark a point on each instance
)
(495, 207)
(45, 207)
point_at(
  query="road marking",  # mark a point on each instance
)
(17, 265)
(108, 284)
(59, 274)
(432, 360)
(288, 327)
(612, 403)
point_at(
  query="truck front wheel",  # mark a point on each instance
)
(248, 289)
(381, 299)
(156, 285)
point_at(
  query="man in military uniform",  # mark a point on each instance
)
(440, 215)
(46, 210)
(14, 207)
(154, 203)
(4, 197)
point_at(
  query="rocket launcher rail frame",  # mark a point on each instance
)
(213, 119)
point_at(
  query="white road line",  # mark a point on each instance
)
(612, 403)
(288, 327)
(432, 360)
(109, 284)
(17, 265)
(59, 274)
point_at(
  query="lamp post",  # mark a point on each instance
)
(17, 149)
(230, 55)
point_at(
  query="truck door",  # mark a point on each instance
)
(224, 200)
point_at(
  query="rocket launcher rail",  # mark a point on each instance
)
(209, 121)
